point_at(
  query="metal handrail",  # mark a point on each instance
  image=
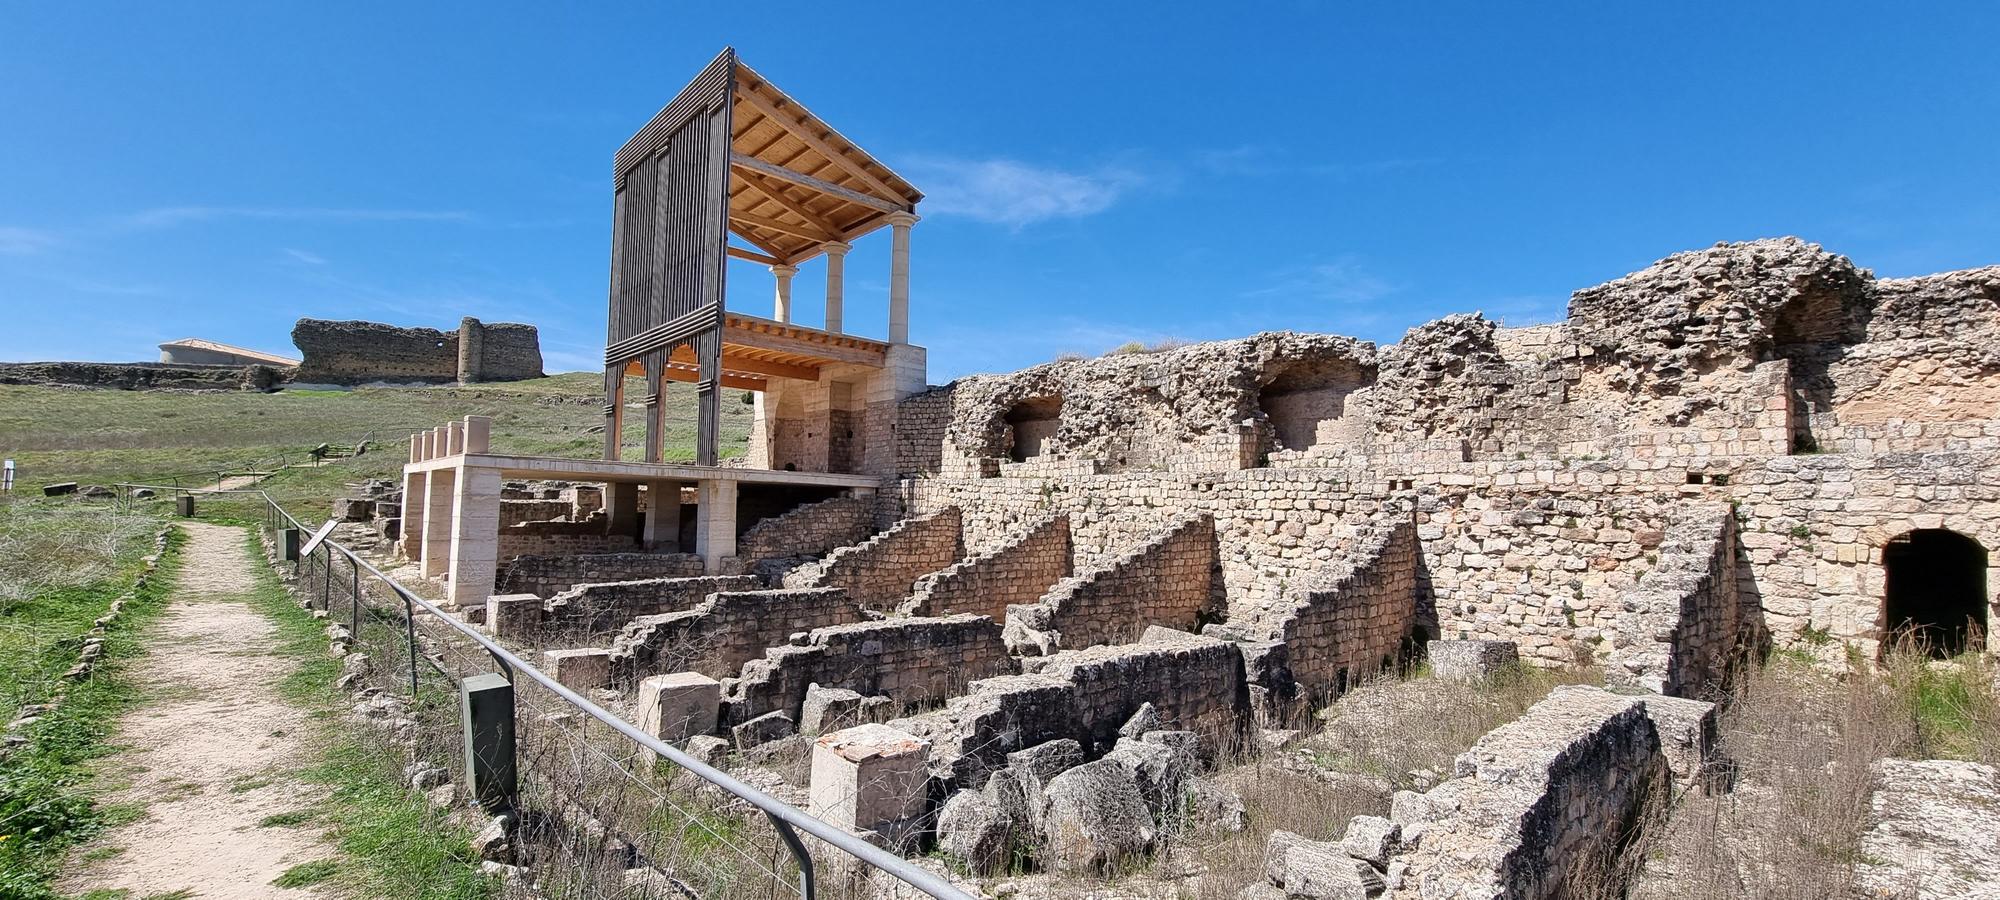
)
(784, 817)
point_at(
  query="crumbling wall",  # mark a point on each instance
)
(353, 352)
(1020, 570)
(143, 376)
(562, 539)
(1169, 580)
(879, 572)
(547, 576)
(1350, 621)
(814, 529)
(911, 661)
(725, 631)
(1533, 803)
(603, 607)
(515, 512)
(1685, 626)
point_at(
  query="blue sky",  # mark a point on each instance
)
(1095, 175)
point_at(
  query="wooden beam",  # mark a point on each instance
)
(819, 145)
(777, 195)
(823, 186)
(754, 256)
(808, 232)
(751, 337)
(747, 366)
(729, 380)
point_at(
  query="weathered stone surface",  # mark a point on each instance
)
(708, 748)
(1931, 833)
(1371, 838)
(763, 730)
(1470, 660)
(1317, 869)
(977, 831)
(1094, 817)
(829, 709)
(871, 778)
(1161, 772)
(675, 707)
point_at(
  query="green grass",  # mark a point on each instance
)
(45, 801)
(307, 874)
(287, 819)
(392, 842)
(107, 436)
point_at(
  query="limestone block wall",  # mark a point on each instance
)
(1020, 570)
(515, 512)
(914, 662)
(547, 576)
(1685, 625)
(353, 352)
(603, 607)
(1350, 621)
(1193, 683)
(1531, 801)
(814, 529)
(879, 572)
(1167, 580)
(725, 631)
(562, 539)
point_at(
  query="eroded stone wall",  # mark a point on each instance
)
(913, 661)
(1020, 570)
(547, 576)
(725, 631)
(814, 529)
(552, 539)
(604, 607)
(352, 352)
(1684, 627)
(1167, 580)
(879, 572)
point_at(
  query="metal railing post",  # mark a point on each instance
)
(799, 853)
(326, 580)
(354, 611)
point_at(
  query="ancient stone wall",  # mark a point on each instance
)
(879, 572)
(1352, 620)
(562, 539)
(1020, 570)
(605, 607)
(1685, 625)
(362, 352)
(547, 576)
(725, 631)
(515, 512)
(814, 529)
(143, 376)
(914, 662)
(1167, 580)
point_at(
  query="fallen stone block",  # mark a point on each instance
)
(708, 749)
(1470, 660)
(763, 730)
(579, 670)
(59, 489)
(829, 709)
(1316, 869)
(977, 831)
(872, 779)
(1687, 735)
(1371, 838)
(677, 706)
(1094, 818)
(513, 616)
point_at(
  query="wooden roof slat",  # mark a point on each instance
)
(753, 256)
(809, 182)
(803, 132)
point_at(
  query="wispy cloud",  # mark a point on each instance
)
(18, 241)
(1257, 161)
(1012, 193)
(1342, 280)
(168, 216)
(304, 256)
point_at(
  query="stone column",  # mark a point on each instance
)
(899, 276)
(782, 308)
(411, 540)
(715, 524)
(475, 536)
(836, 281)
(437, 522)
(478, 434)
(663, 515)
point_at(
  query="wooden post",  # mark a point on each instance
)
(487, 708)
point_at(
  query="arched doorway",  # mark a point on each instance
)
(1936, 590)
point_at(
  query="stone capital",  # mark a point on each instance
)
(784, 271)
(903, 219)
(836, 248)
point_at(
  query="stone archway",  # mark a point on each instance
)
(1934, 591)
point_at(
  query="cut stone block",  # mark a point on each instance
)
(871, 779)
(678, 706)
(829, 709)
(763, 730)
(1470, 660)
(513, 616)
(580, 670)
(1687, 735)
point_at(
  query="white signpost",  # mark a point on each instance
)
(7, 476)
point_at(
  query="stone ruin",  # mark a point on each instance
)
(349, 353)
(1081, 584)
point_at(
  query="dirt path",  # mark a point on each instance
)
(208, 750)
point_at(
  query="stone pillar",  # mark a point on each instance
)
(471, 346)
(478, 434)
(899, 276)
(782, 307)
(475, 536)
(663, 515)
(872, 780)
(416, 448)
(621, 505)
(715, 524)
(454, 438)
(676, 707)
(836, 281)
(411, 538)
(437, 522)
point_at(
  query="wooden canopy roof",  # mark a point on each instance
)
(756, 349)
(795, 183)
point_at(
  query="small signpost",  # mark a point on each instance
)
(7, 476)
(318, 536)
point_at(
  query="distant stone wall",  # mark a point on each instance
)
(727, 630)
(913, 662)
(814, 529)
(547, 576)
(561, 539)
(883, 570)
(1020, 570)
(1685, 625)
(361, 352)
(143, 376)
(515, 512)
(1168, 580)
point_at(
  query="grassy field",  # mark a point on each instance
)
(100, 437)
